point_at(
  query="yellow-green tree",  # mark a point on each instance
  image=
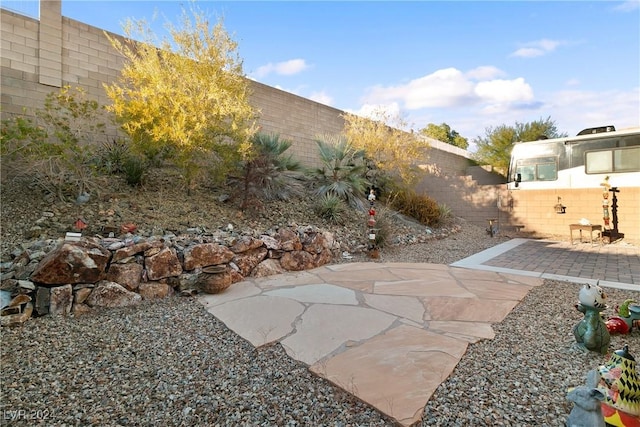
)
(185, 96)
(392, 150)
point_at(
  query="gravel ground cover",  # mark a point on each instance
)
(171, 363)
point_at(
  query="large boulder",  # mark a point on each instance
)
(111, 294)
(268, 267)
(163, 264)
(245, 243)
(297, 261)
(289, 240)
(155, 290)
(247, 261)
(138, 248)
(127, 275)
(72, 262)
(206, 254)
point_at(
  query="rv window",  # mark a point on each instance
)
(627, 160)
(612, 161)
(598, 161)
(547, 172)
(526, 172)
(538, 169)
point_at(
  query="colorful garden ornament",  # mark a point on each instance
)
(627, 319)
(371, 222)
(621, 387)
(591, 332)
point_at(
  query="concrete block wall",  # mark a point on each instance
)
(535, 210)
(297, 119)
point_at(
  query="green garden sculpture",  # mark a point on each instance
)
(591, 332)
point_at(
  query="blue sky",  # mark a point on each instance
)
(470, 64)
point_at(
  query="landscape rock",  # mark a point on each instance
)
(60, 300)
(270, 243)
(111, 294)
(155, 290)
(136, 248)
(314, 242)
(288, 239)
(297, 261)
(127, 275)
(163, 264)
(80, 309)
(17, 318)
(72, 262)
(80, 296)
(247, 261)
(205, 254)
(268, 267)
(245, 243)
(43, 297)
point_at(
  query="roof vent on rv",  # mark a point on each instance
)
(600, 129)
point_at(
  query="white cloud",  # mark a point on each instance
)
(443, 88)
(321, 97)
(627, 6)
(449, 88)
(537, 48)
(528, 52)
(373, 111)
(504, 91)
(572, 82)
(485, 72)
(285, 68)
(572, 110)
(575, 110)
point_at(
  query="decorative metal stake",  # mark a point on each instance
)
(371, 222)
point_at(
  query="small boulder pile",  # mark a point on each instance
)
(64, 277)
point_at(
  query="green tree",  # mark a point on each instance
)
(186, 97)
(392, 151)
(495, 147)
(444, 133)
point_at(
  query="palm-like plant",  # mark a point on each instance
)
(343, 170)
(270, 174)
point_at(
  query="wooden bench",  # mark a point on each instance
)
(590, 228)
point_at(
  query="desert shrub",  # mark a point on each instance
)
(57, 150)
(19, 137)
(111, 156)
(446, 215)
(332, 208)
(342, 173)
(268, 173)
(418, 206)
(134, 169)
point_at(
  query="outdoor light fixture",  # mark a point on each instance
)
(559, 208)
